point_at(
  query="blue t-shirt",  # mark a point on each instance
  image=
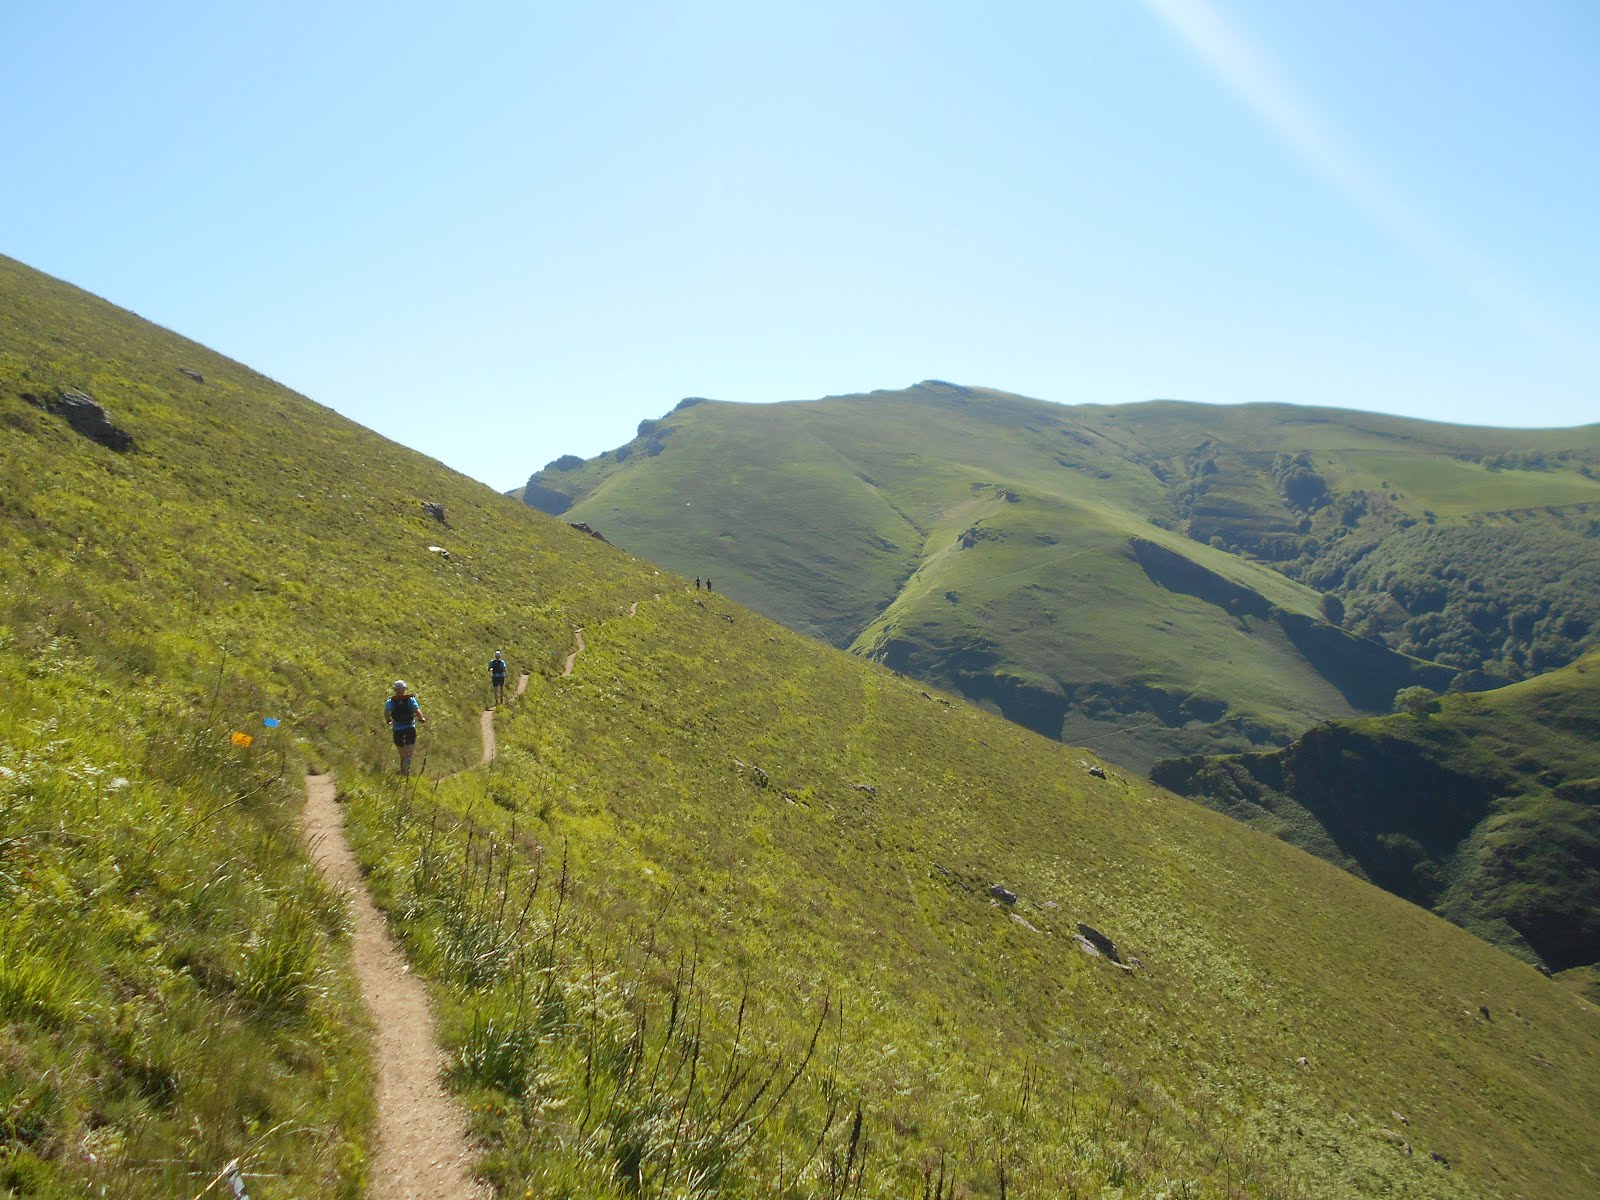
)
(497, 666)
(403, 714)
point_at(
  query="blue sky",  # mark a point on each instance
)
(499, 232)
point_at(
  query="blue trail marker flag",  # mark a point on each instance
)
(270, 722)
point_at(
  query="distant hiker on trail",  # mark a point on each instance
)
(708, 583)
(697, 583)
(402, 711)
(497, 676)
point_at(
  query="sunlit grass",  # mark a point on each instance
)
(711, 845)
(981, 541)
(172, 976)
(809, 834)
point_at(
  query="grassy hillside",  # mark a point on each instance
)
(1486, 810)
(1133, 578)
(173, 981)
(847, 831)
(721, 919)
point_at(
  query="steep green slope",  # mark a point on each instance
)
(1132, 578)
(719, 920)
(1486, 811)
(847, 831)
(173, 994)
(173, 982)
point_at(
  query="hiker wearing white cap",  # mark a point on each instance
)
(497, 676)
(402, 712)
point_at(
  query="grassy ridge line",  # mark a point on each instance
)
(213, 538)
(1045, 616)
(1080, 640)
(1290, 426)
(855, 864)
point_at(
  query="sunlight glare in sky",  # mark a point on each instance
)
(1258, 83)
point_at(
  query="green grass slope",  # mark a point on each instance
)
(718, 921)
(173, 976)
(1147, 579)
(1486, 811)
(805, 834)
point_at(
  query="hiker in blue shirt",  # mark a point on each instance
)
(497, 676)
(402, 712)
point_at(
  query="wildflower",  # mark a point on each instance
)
(242, 739)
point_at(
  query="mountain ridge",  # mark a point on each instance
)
(982, 540)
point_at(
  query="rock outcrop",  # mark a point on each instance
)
(87, 416)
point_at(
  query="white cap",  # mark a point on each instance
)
(399, 685)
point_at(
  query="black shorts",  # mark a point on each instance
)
(498, 680)
(405, 736)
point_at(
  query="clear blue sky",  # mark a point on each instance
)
(499, 232)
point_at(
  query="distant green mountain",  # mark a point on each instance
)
(732, 914)
(1486, 811)
(1152, 579)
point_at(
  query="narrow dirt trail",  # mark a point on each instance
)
(421, 1150)
(486, 723)
(566, 668)
(581, 646)
(486, 729)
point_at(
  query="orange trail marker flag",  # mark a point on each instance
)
(242, 739)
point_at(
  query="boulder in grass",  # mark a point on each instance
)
(1099, 941)
(1002, 894)
(87, 416)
